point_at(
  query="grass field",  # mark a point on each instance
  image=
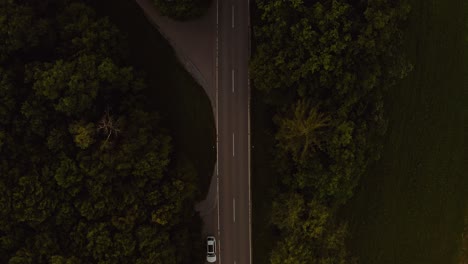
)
(410, 207)
(463, 252)
(185, 108)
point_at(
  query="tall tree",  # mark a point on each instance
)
(300, 132)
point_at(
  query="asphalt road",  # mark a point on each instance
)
(233, 132)
(226, 209)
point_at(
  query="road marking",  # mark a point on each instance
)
(217, 203)
(232, 78)
(217, 83)
(232, 24)
(248, 162)
(234, 209)
(233, 148)
(217, 129)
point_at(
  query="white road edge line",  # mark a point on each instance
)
(217, 130)
(217, 115)
(249, 165)
(234, 209)
(232, 77)
(248, 137)
(233, 147)
(217, 197)
(232, 24)
(216, 84)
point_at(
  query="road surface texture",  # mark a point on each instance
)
(217, 46)
(233, 132)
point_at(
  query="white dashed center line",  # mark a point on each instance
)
(232, 22)
(233, 148)
(232, 79)
(234, 209)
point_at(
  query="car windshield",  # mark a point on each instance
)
(210, 249)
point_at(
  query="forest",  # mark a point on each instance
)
(323, 68)
(86, 168)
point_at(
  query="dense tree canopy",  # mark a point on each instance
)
(323, 67)
(85, 172)
(20, 29)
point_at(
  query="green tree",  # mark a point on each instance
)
(328, 249)
(20, 29)
(302, 132)
(64, 260)
(82, 32)
(22, 256)
(293, 213)
(83, 134)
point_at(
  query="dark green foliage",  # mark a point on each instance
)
(182, 9)
(324, 66)
(20, 29)
(86, 173)
(84, 33)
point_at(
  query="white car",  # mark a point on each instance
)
(211, 249)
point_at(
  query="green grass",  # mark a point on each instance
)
(185, 108)
(264, 179)
(463, 252)
(410, 207)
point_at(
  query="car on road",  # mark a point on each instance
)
(211, 249)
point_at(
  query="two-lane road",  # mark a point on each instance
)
(234, 229)
(230, 223)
